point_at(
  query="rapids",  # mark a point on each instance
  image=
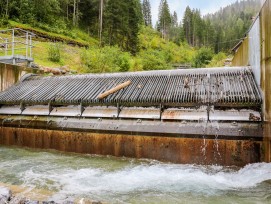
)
(123, 180)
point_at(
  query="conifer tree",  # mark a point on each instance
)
(146, 10)
(122, 21)
(164, 19)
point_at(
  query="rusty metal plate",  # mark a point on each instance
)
(100, 112)
(184, 114)
(10, 110)
(72, 111)
(140, 113)
(36, 110)
(235, 115)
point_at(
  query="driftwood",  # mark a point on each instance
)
(115, 89)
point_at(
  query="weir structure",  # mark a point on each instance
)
(202, 116)
(194, 116)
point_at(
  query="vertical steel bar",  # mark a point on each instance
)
(26, 45)
(6, 47)
(13, 44)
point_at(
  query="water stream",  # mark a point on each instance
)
(122, 180)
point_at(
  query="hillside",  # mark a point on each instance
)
(155, 52)
(69, 33)
(231, 23)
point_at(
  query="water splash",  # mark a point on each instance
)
(121, 180)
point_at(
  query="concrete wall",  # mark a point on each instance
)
(10, 74)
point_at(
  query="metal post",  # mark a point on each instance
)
(26, 45)
(30, 47)
(13, 43)
(6, 47)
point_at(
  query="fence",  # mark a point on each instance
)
(16, 46)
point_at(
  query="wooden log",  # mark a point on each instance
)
(114, 90)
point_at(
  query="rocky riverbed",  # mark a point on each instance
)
(8, 197)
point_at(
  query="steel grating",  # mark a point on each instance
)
(193, 87)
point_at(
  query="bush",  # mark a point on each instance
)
(106, 59)
(154, 60)
(218, 60)
(54, 52)
(203, 57)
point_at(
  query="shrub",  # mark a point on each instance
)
(154, 60)
(54, 52)
(106, 59)
(218, 60)
(203, 57)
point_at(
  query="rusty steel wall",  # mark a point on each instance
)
(241, 56)
(265, 16)
(169, 149)
(267, 142)
(10, 74)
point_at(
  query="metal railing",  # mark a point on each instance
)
(16, 44)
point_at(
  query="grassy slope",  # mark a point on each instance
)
(154, 51)
(70, 55)
(71, 47)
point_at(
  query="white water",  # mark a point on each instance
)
(123, 180)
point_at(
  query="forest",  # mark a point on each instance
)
(123, 37)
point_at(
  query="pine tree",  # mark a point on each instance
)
(174, 19)
(188, 25)
(122, 21)
(146, 10)
(164, 19)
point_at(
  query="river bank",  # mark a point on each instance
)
(11, 194)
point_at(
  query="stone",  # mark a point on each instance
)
(56, 71)
(49, 202)
(5, 195)
(17, 200)
(47, 69)
(65, 68)
(34, 66)
(31, 202)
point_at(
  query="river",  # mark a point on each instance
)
(109, 179)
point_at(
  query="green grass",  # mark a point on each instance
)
(80, 38)
(70, 56)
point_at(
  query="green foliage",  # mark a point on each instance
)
(106, 59)
(218, 60)
(54, 52)
(203, 57)
(146, 10)
(154, 60)
(122, 20)
(151, 44)
(164, 19)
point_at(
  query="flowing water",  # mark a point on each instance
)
(123, 180)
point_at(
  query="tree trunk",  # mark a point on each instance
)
(74, 13)
(7, 8)
(101, 21)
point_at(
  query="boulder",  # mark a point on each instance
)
(18, 200)
(56, 71)
(5, 195)
(65, 68)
